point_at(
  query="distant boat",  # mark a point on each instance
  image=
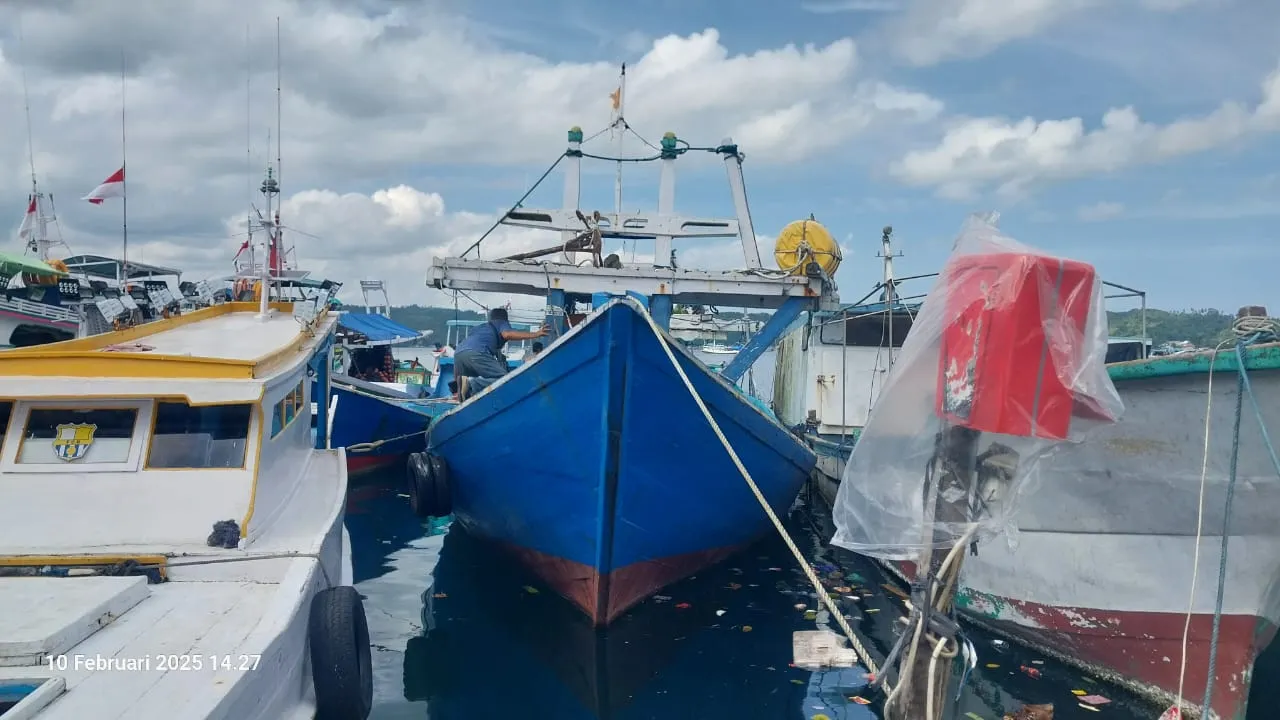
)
(718, 349)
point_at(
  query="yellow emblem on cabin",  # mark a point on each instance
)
(73, 441)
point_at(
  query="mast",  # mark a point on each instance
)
(39, 240)
(620, 125)
(124, 187)
(886, 252)
(248, 146)
(278, 255)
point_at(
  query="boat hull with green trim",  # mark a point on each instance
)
(1100, 571)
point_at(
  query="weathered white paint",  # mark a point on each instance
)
(245, 612)
(840, 384)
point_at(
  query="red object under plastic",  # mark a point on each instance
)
(1015, 344)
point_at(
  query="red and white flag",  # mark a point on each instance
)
(110, 188)
(28, 222)
(243, 246)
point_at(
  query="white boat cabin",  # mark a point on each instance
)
(164, 502)
(143, 439)
(831, 370)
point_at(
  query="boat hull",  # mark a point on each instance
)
(1100, 571)
(363, 416)
(594, 465)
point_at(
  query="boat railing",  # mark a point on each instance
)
(41, 310)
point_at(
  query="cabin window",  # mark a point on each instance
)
(199, 437)
(6, 411)
(58, 435)
(866, 331)
(287, 409)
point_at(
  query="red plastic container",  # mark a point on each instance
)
(1014, 343)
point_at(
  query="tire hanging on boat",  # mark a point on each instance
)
(341, 662)
(428, 479)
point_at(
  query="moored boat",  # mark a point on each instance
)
(169, 510)
(594, 465)
(615, 461)
(1100, 572)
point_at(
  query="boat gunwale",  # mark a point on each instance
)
(675, 347)
(89, 357)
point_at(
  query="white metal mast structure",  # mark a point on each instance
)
(38, 240)
(270, 189)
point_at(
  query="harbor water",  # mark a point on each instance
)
(461, 631)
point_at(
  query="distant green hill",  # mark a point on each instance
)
(1205, 328)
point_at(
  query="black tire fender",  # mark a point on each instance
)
(341, 659)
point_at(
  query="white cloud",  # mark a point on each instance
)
(373, 94)
(932, 31)
(1100, 211)
(1014, 155)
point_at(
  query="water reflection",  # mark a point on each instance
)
(460, 631)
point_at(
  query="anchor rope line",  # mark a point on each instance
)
(824, 598)
(1247, 330)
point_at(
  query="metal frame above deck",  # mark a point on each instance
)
(733, 288)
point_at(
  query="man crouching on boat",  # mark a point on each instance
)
(478, 360)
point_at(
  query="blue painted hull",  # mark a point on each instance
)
(594, 464)
(361, 418)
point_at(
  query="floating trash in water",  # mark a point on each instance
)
(683, 606)
(661, 598)
(531, 589)
(810, 614)
(440, 595)
(734, 586)
(1029, 671)
(860, 700)
(1095, 699)
(746, 628)
(844, 589)
(800, 606)
(720, 613)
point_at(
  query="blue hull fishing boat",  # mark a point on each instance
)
(616, 462)
(595, 465)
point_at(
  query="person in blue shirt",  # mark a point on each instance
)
(478, 360)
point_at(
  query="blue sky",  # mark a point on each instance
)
(910, 113)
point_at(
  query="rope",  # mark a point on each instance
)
(476, 245)
(368, 446)
(1247, 330)
(858, 648)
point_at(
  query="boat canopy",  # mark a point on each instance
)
(103, 267)
(375, 329)
(11, 265)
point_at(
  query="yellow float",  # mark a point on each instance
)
(805, 241)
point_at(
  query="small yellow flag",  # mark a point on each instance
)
(616, 97)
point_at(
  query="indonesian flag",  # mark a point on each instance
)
(243, 246)
(28, 222)
(111, 188)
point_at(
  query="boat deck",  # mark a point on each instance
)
(232, 336)
(231, 341)
(189, 624)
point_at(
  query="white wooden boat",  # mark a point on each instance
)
(171, 534)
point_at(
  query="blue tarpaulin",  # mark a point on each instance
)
(375, 329)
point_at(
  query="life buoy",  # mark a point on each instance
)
(341, 662)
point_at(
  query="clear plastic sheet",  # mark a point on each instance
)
(1004, 364)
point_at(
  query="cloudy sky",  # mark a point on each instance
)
(1139, 135)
